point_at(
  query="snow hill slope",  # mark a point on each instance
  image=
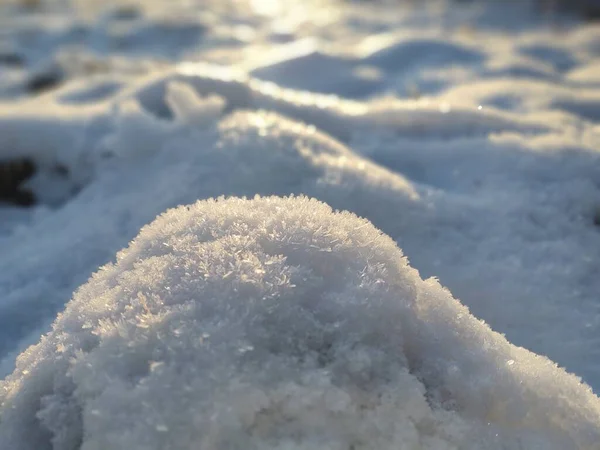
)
(277, 323)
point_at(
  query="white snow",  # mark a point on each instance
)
(277, 323)
(469, 133)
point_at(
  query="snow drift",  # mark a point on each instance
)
(275, 323)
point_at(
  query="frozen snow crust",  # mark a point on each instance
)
(276, 323)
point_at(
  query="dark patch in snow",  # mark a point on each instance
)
(597, 217)
(592, 14)
(169, 39)
(13, 174)
(125, 12)
(61, 170)
(11, 59)
(589, 10)
(44, 81)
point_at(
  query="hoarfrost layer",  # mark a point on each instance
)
(275, 323)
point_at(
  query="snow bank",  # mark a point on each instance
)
(275, 323)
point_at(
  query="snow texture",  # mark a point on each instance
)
(467, 132)
(278, 323)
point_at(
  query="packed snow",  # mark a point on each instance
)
(467, 132)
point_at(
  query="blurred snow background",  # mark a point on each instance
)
(468, 132)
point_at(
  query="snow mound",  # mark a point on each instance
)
(276, 323)
(158, 164)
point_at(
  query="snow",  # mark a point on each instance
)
(467, 133)
(277, 323)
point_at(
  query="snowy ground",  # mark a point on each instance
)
(469, 135)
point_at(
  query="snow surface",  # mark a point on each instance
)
(469, 134)
(277, 323)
